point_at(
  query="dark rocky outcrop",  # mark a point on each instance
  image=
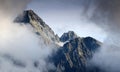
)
(68, 36)
(75, 54)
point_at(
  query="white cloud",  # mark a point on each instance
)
(20, 47)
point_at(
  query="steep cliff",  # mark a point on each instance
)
(75, 53)
(40, 27)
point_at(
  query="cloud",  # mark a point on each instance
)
(13, 7)
(21, 50)
(106, 14)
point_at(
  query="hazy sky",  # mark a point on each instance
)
(65, 15)
(85, 17)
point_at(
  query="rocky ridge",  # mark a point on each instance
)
(40, 27)
(74, 54)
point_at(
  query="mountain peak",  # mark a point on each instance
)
(68, 36)
(73, 56)
(91, 43)
(27, 15)
(39, 26)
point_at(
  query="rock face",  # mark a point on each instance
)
(68, 36)
(75, 53)
(40, 27)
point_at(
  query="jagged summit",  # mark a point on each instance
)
(27, 15)
(74, 55)
(40, 27)
(91, 43)
(68, 36)
(70, 57)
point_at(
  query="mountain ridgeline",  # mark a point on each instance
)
(39, 26)
(74, 55)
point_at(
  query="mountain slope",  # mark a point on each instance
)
(40, 27)
(75, 53)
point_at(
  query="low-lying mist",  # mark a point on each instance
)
(21, 50)
(106, 14)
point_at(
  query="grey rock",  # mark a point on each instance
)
(73, 56)
(40, 27)
(68, 36)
